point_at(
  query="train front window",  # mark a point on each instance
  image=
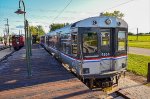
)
(121, 40)
(105, 41)
(90, 41)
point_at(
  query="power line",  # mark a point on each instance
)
(76, 12)
(42, 17)
(55, 11)
(118, 5)
(71, 11)
(62, 11)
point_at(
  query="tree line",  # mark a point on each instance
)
(130, 33)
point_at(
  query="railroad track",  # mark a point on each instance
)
(117, 95)
(6, 56)
(5, 47)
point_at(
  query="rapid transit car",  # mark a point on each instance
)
(17, 41)
(94, 48)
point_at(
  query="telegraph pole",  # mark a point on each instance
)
(7, 31)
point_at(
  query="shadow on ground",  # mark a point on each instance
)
(44, 69)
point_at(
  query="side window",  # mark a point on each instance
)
(74, 43)
(66, 43)
(121, 40)
(47, 40)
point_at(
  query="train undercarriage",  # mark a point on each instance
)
(100, 82)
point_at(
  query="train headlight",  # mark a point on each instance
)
(86, 70)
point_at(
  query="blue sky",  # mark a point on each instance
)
(43, 12)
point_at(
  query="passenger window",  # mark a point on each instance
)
(74, 44)
(47, 40)
(66, 43)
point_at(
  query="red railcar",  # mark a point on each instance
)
(17, 41)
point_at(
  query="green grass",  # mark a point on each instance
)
(141, 38)
(142, 42)
(139, 44)
(138, 64)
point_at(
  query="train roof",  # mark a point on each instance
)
(99, 21)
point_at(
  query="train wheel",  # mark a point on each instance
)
(15, 48)
(89, 83)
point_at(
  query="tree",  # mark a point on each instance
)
(37, 30)
(114, 14)
(55, 26)
(130, 33)
(33, 30)
(40, 30)
(1, 39)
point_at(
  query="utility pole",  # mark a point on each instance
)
(19, 11)
(4, 36)
(19, 32)
(137, 34)
(7, 31)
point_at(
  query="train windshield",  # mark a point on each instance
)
(121, 40)
(105, 42)
(90, 44)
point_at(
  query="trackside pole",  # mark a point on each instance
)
(28, 50)
(148, 73)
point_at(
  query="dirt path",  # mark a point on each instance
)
(140, 51)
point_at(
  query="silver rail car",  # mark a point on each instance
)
(95, 48)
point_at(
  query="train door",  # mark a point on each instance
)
(105, 42)
(90, 50)
(105, 49)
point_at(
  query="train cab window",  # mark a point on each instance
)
(90, 44)
(105, 41)
(121, 40)
(74, 43)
